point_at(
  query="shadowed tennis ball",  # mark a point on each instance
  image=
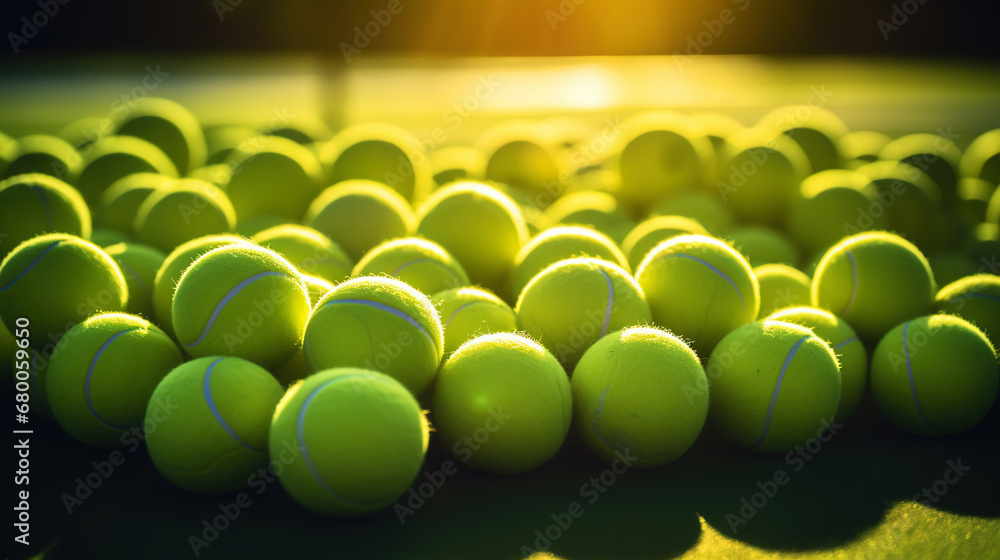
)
(302, 129)
(83, 132)
(595, 209)
(108, 237)
(170, 127)
(56, 281)
(120, 203)
(379, 152)
(102, 374)
(241, 300)
(975, 299)
(272, 176)
(874, 281)
(762, 175)
(831, 205)
(35, 203)
(139, 264)
(993, 209)
(950, 267)
(215, 436)
(717, 127)
(573, 303)
(380, 324)
(520, 154)
(309, 250)
(114, 157)
(469, 312)
(935, 155)
(911, 202)
(781, 286)
(480, 226)
(183, 210)
(699, 288)
(981, 160)
(354, 438)
(502, 404)
(457, 163)
(360, 214)
(41, 153)
(218, 174)
(253, 226)
(782, 390)
(420, 263)
(653, 231)
(763, 245)
(639, 392)
(935, 375)
(706, 208)
(861, 147)
(561, 243)
(845, 344)
(170, 273)
(973, 200)
(317, 288)
(223, 139)
(816, 130)
(7, 146)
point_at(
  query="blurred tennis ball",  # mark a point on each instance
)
(360, 214)
(457, 163)
(833, 204)
(706, 208)
(595, 209)
(262, 162)
(470, 312)
(114, 157)
(120, 203)
(41, 153)
(36, 203)
(981, 159)
(816, 130)
(223, 139)
(861, 147)
(139, 264)
(418, 262)
(182, 210)
(379, 152)
(561, 243)
(763, 172)
(781, 286)
(308, 250)
(934, 154)
(653, 231)
(302, 129)
(520, 154)
(170, 127)
(763, 245)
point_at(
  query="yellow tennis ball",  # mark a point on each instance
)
(861, 147)
(781, 286)
(832, 204)
(359, 214)
(379, 152)
(41, 153)
(933, 154)
(699, 288)
(816, 130)
(120, 203)
(102, 374)
(469, 312)
(774, 386)
(317, 287)
(708, 209)
(309, 250)
(502, 404)
(595, 209)
(640, 392)
(169, 126)
(34, 203)
(874, 281)
(252, 226)
(935, 375)
(261, 163)
(182, 210)
(574, 303)
(241, 300)
(420, 263)
(561, 243)
(653, 231)
(763, 245)
(975, 299)
(521, 154)
(114, 157)
(763, 175)
(844, 342)
(139, 264)
(457, 163)
(981, 159)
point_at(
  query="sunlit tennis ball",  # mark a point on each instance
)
(420, 263)
(102, 374)
(379, 152)
(981, 159)
(139, 264)
(317, 288)
(120, 203)
(41, 153)
(845, 344)
(700, 288)
(763, 245)
(707, 209)
(975, 299)
(480, 226)
(573, 303)
(781, 286)
(114, 157)
(84, 132)
(309, 250)
(561, 243)
(833, 204)
(782, 390)
(223, 139)
(169, 126)
(502, 404)
(653, 231)
(360, 214)
(470, 312)
(717, 127)
(861, 147)
(302, 129)
(815, 129)
(218, 174)
(595, 209)
(935, 375)
(521, 154)
(36, 203)
(934, 154)
(182, 210)
(272, 176)
(457, 163)
(874, 281)
(762, 175)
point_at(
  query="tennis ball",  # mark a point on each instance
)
(981, 160)
(379, 152)
(35, 203)
(816, 130)
(520, 154)
(183, 210)
(170, 273)
(469, 312)
(717, 127)
(253, 226)
(975, 299)
(653, 231)
(774, 386)
(861, 147)
(41, 153)
(935, 155)
(170, 127)
(262, 163)
(56, 281)
(502, 404)
(699, 288)
(573, 303)
(844, 342)
(309, 250)
(139, 264)
(935, 375)
(457, 163)
(108, 237)
(639, 392)
(354, 440)
(480, 226)
(706, 208)
(561, 243)
(831, 205)
(595, 209)
(911, 202)
(121, 202)
(781, 286)
(114, 157)
(82, 132)
(951, 267)
(294, 369)
(380, 324)
(221, 140)
(874, 281)
(218, 174)
(993, 209)
(302, 129)
(241, 300)
(317, 288)
(360, 214)
(973, 200)
(763, 245)
(215, 436)
(102, 374)
(762, 175)
(420, 263)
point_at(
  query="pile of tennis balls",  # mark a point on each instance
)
(328, 305)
